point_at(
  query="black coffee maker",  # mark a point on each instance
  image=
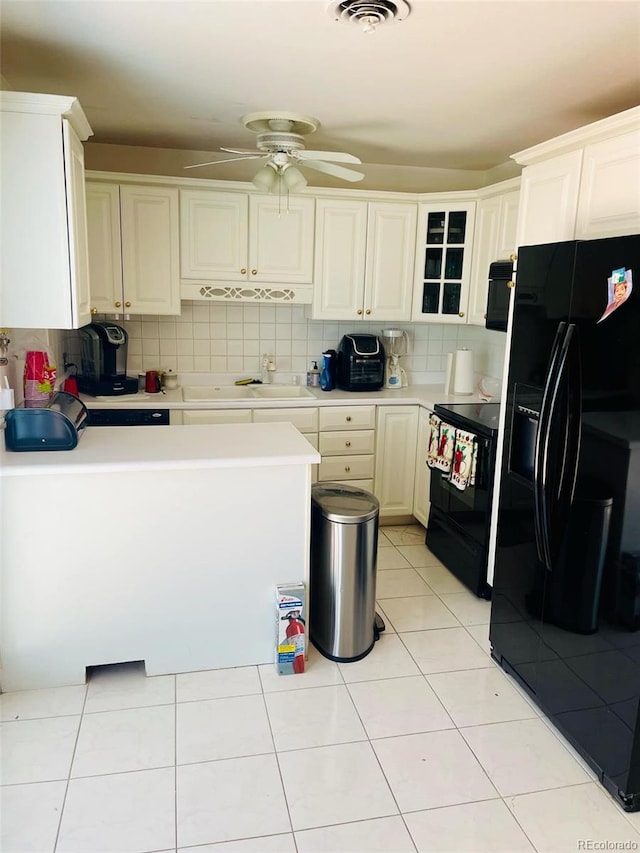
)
(104, 361)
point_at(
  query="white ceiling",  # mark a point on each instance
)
(456, 86)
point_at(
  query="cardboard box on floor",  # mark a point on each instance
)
(291, 632)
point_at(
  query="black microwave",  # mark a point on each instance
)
(498, 294)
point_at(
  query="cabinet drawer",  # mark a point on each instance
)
(367, 485)
(347, 417)
(346, 468)
(340, 442)
(306, 420)
(217, 416)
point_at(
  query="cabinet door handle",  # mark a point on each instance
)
(118, 304)
(513, 257)
(94, 310)
(511, 284)
(359, 310)
(460, 313)
(347, 468)
(368, 311)
(254, 272)
(243, 270)
(347, 444)
(127, 305)
(348, 418)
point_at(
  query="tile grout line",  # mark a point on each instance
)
(73, 755)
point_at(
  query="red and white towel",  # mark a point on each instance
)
(453, 452)
(441, 441)
(463, 468)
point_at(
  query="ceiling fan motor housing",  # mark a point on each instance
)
(279, 142)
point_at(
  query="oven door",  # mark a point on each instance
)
(470, 507)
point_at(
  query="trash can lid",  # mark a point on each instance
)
(345, 504)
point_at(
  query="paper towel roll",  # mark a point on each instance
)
(448, 375)
(463, 378)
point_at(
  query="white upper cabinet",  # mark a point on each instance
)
(364, 259)
(227, 236)
(584, 184)
(45, 268)
(281, 239)
(610, 188)
(494, 240)
(443, 262)
(214, 229)
(133, 249)
(549, 200)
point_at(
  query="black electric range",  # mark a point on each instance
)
(460, 520)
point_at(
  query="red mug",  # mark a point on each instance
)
(152, 382)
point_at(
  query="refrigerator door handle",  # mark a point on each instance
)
(570, 430)
(541, 453)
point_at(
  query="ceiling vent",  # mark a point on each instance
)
(369, 14)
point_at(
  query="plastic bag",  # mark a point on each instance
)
(39, 378)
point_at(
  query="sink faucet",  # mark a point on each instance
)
(268, 369)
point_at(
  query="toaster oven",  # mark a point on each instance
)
(360, 363)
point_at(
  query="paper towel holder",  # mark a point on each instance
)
(463, 376)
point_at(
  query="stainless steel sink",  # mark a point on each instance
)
(209, 393)
(281, 392)
(213, 393)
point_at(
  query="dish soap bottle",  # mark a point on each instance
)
(313, 376)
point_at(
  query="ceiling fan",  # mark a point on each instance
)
(280, 141)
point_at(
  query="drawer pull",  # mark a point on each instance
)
(347, 468)
(348, 418)
(347, 444)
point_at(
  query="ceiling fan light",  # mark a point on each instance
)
(293, 179)
(265, 178)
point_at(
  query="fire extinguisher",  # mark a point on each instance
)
(295, 636)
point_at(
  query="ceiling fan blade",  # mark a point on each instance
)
(241, 150)
(330, 169)
(331, 156)
(220, 162)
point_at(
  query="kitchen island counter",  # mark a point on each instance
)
(167, 447)
(155, 544)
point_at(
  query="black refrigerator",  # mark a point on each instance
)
(566, 589)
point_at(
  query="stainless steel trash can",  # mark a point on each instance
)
(344, 549)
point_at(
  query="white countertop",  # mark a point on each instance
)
(421, 395)
(168, 448)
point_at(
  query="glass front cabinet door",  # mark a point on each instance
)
(443, 262)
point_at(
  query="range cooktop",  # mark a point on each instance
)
(476, 417)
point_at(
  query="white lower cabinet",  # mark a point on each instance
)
(214, 416)
(381, 449)
(347, 445)
(397, 431)
(421, 502)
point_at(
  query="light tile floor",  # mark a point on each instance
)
(424, 745)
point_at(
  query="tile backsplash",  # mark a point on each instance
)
(231, 339)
